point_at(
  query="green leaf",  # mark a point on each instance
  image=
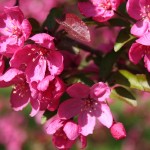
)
(129, 80)
(106, 64)
(50, 22)
(123, 94)
(144, 81)
(132, 79)
(123, 38)
(43, 119)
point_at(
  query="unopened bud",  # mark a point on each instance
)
(118, 131)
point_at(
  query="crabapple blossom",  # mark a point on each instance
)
(89, 104)
(12, 135)
(142, 26)
(99, 10)
(137, 51)
(42, 8)
(64, 132)
(14, 30)
(40, 98)
(21, 94)
(47, 93)
(8, 3)
(39, 58)
(118, 131)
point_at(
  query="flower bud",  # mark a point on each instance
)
(118, 131)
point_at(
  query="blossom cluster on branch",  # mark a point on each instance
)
(45, 70)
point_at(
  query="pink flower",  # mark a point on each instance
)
(21, 94)
(48, 92)
(64, 132)
(99, 10)
(8, 3)
(39, 58)
(42, 8)
(14, 28)
(12, 135)
(89, 104)
(137, 51)
(118, 131)
(142, 9)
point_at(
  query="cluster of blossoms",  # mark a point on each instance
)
(32, 64)
(12, 135)
(141, 29)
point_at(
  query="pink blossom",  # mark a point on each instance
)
(39, 58)
(99, 10)
(142, 9)
(42, 8)
(137, 51)
(64, 132)
(14, 29)
(118, 131)
(21, 94)
(89, 104)
(48, 92)
(8, 3)
(12, 136)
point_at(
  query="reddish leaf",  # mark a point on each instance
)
(75, 27)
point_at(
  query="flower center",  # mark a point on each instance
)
(20, 88)
(89, 104)
(16, 31)
(106, 5)
(146, 13)
(39, 51)
(60, 133)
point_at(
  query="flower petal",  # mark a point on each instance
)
(55, 63)
(18, 58)
(132, 7)
(44, 40)
(83, 141)
(19, 100)
(26, 28)
(53, 124)
(10, 77)
(35, 107)
(36, 70)
(144, 40)
(136, 52)
(84, 6)
(71, 130)
(100, 91)
(86, 123)
(147, 61)
(43, 85)
(78, 90)
(69, 108)
(140, 28)
(61, 141)
(105, 117)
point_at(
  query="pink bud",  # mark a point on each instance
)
(118, 131)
